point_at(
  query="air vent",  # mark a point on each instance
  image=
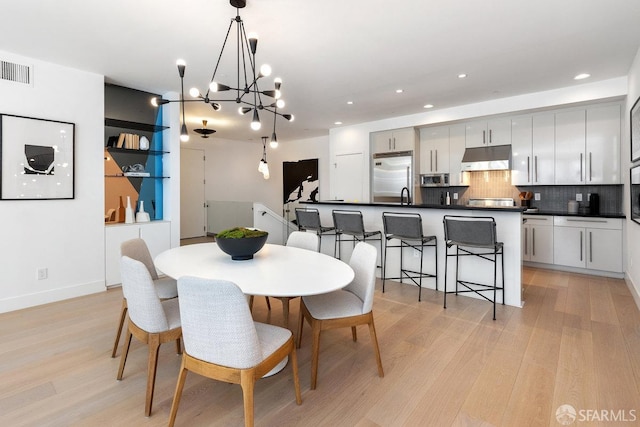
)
(13, 72)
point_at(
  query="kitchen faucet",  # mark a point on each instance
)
(402, 196)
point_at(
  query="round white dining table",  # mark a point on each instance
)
(275, 270)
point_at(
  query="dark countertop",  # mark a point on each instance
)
(584, 215)
(420, 206)
(464, 207)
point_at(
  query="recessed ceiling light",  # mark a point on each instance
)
(349, 102)
(399, 90)
(337, 123)
(582, 76)
(428, 106)
(462, 75)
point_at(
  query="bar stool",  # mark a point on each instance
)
(407, 229)
(351, 224)
(309, 219)
(473, 236)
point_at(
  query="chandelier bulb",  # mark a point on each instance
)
(265, 70)
(280, 103)
(277, 82)
(181, 66)
(154, 101)
(253, 42)
(194, 92)
(255, 122)
(184, 135)
(265, 171)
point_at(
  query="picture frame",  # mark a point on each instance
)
(634, 192)
(634, 120)
(37, 160)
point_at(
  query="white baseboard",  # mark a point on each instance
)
(633, 289)
(52, 295)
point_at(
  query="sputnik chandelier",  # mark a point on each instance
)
(247, 91)
(263, 166)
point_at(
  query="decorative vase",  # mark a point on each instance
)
(142, 216)
(144, 143)
(121, 212)
(128, 212)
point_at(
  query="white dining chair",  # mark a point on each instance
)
(222, 341)
(348, 307)
(166, 287)
(151, 321)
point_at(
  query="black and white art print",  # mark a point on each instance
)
(300, 181)
(635, 193)
(36, 158)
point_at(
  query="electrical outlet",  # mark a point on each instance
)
(42, 273)
(537, 196)
(578, 197)
(455, 196)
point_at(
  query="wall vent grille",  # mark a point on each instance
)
(15, 72)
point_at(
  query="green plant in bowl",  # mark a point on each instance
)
(241, 242)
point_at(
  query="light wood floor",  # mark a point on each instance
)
(576, 341)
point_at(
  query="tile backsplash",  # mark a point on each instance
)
(553, 198)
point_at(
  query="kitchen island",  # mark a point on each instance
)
(508, 226)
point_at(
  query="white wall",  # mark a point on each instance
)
(633, 229)
(64, 236)
(353, 139)
(231, 168)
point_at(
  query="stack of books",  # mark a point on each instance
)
(125, 140)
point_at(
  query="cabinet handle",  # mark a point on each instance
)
(484, 137)
(528, 169)
(436, 160)
(533, 241)
(490, 137)
(431, 160)
(526, 242)
(590, 170)
(580, 167)
(394, 142)
(389, 143)
(581, 246)
(535, 167)
(590, 247)
(586, 220)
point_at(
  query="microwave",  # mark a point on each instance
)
(434, 180)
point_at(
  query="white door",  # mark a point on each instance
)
(192, 205)
(568, 246)
(348, 175)
(569, 147)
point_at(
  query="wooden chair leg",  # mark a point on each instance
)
(300, 325)
(125, 352)
(294, 367)
(315, 351)
(268, 303)
(251, 303)
(285, 311)
(152, 365)
(247, 382)
(354, 334)
(123, 316)
(376, 349)
(178, 346)
(182, 376)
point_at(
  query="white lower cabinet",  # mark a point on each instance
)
(592, 243)
(537, 239)
(156, 234)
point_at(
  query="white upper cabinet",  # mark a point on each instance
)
(588, 146)
(456, 151)
(521, 150)
(603, 145)
(393, 140)
(434, 150)
(483, 133)
(570, 145)
(543, 159)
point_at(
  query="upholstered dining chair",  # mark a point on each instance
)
(222, 341)
(348, 307)
(152, 321)
(302, 240)
(166, 287)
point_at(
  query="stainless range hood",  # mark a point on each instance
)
(494, 158)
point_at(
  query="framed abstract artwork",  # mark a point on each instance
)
(634, 120)
(36, 158)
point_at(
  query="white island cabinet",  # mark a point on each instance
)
(508, 226)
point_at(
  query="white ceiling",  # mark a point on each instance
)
(329, 52)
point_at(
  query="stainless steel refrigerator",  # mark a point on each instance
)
(391, 172)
